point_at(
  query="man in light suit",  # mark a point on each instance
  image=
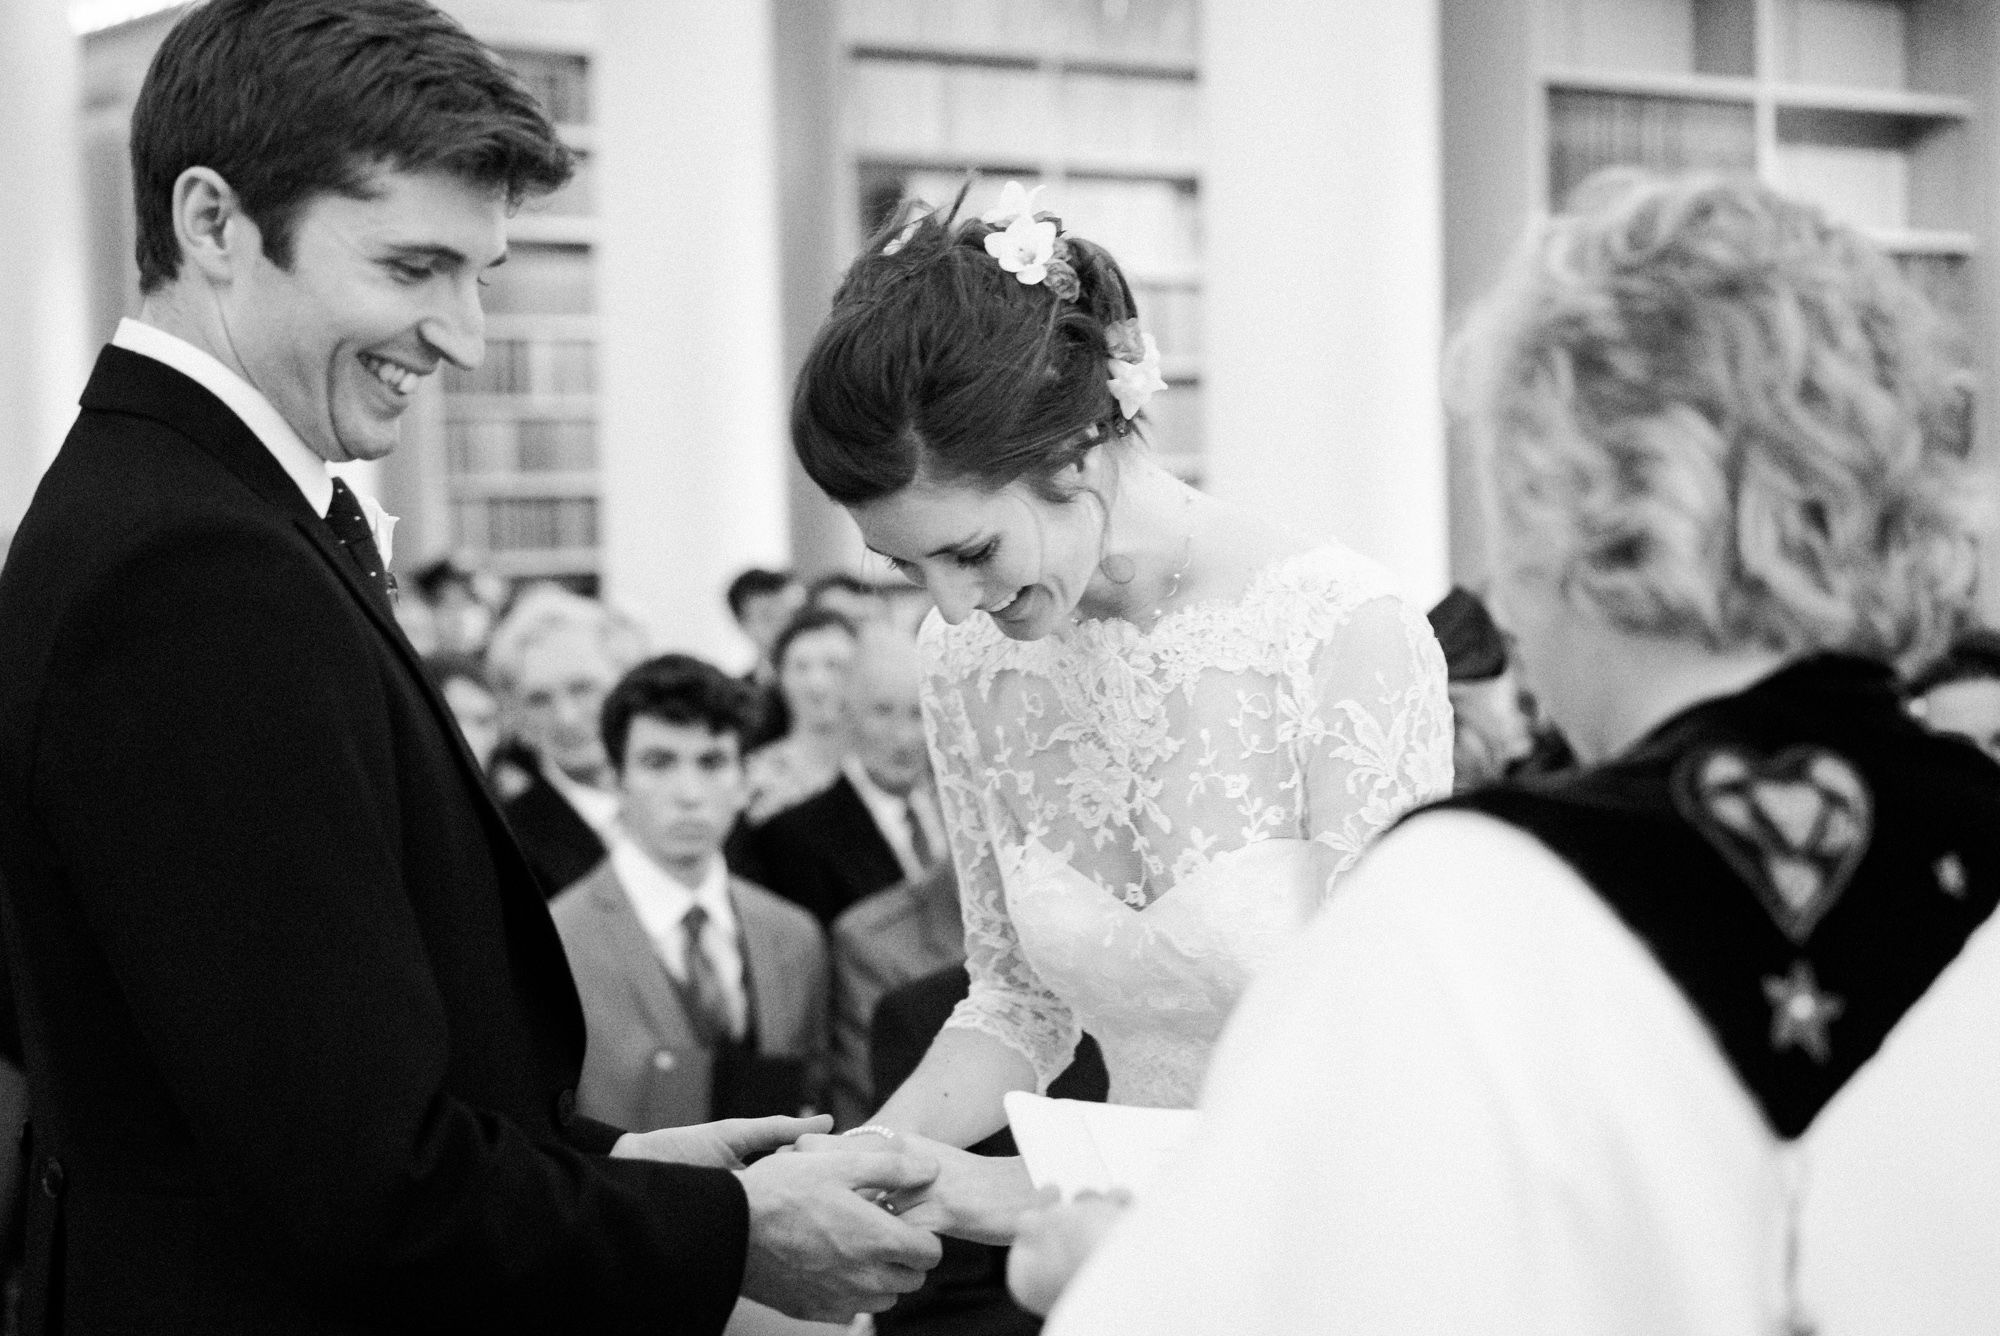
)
(895, 936)
(704, 996)
(879, 822)
(301, 1042)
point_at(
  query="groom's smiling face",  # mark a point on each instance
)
(379, 291)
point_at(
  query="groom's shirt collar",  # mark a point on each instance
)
(242, 398)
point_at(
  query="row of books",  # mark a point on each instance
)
(529, 367)
(1152, 226)
(1112, 30)
(1590, 130)
(485, 448)
(929, 109)
(525, 524)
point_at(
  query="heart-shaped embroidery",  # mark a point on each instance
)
(1794, 826)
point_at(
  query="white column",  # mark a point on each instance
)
(693, 403)
(43, 358)
(1323, 272)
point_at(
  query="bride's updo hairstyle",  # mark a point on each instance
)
(938, 362)
(1709, 414)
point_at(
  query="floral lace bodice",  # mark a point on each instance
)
(1139, 819)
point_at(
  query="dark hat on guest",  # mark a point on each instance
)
(1976, 654)
(1474, 649)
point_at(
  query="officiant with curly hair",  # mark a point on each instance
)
(1699, 1038)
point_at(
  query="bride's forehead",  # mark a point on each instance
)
(930, 509)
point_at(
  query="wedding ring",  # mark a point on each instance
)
(888, 1204)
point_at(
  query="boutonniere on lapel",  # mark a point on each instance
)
(1794, 826)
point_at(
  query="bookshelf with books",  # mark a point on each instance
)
(1097, 99)
(1875, 110)
(519, 457)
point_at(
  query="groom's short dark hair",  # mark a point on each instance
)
(290, 99)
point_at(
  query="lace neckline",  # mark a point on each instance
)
(1120, 628)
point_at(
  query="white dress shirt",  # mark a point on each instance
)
(662, 901)
(892, 815)
(598, 808)
(265, 422)
(1470, 1100)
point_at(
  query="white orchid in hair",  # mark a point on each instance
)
(1134, 365)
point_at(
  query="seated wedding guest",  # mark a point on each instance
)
(462, 681)
(704, 996)
(461, 613)
(849, 595)
(762, 603)
(881, 942)
(878, 821)
(1495, 732)
(554, 657)
(812, 654)
(1960, 692)
(1700, 1037)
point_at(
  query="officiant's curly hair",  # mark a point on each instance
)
(937, 361)
(288, 100)
(1712, 415)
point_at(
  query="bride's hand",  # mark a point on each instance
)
(728, 1144)
(976, 1197)
(1053, 1242)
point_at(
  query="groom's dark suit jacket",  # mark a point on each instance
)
(301, 1041)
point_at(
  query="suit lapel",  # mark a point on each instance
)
(865, 838)
(131, 383)
(759, 943)
(654, 993)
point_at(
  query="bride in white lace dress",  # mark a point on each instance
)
(1161, 727)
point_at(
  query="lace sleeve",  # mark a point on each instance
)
(1377, 731)
(1008, 1000)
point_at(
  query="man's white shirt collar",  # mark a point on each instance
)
(598, 809)
(662, 900)
(306, 469)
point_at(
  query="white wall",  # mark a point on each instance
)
(1323, 272)
(43, 357)
(693, 429)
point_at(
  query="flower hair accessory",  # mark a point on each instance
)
(1134, 365)
(1029, 245)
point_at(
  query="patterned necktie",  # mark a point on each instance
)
(920, 843)
(708, 1004)
(350, 527)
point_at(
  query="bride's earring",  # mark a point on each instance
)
(1118, 568)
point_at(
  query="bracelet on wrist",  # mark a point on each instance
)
(871, 1130)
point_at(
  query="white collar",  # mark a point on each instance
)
(306, 469)
(598, 809)
(661, 902)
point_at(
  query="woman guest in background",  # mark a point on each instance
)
(1700, 1038)
(811, 654)
(1161, 727)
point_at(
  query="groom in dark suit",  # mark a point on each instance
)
(301, 1043)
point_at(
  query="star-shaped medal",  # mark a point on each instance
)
(1800, 1012)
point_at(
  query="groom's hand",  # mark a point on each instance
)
(728, 1144)
(820, 1248)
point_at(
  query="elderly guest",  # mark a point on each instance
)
(1699, 1038)
(554, 657)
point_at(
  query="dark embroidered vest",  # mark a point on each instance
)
(1803, 859)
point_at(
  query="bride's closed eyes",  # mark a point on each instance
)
(970, 559)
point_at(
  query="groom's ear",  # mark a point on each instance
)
(210, 226)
